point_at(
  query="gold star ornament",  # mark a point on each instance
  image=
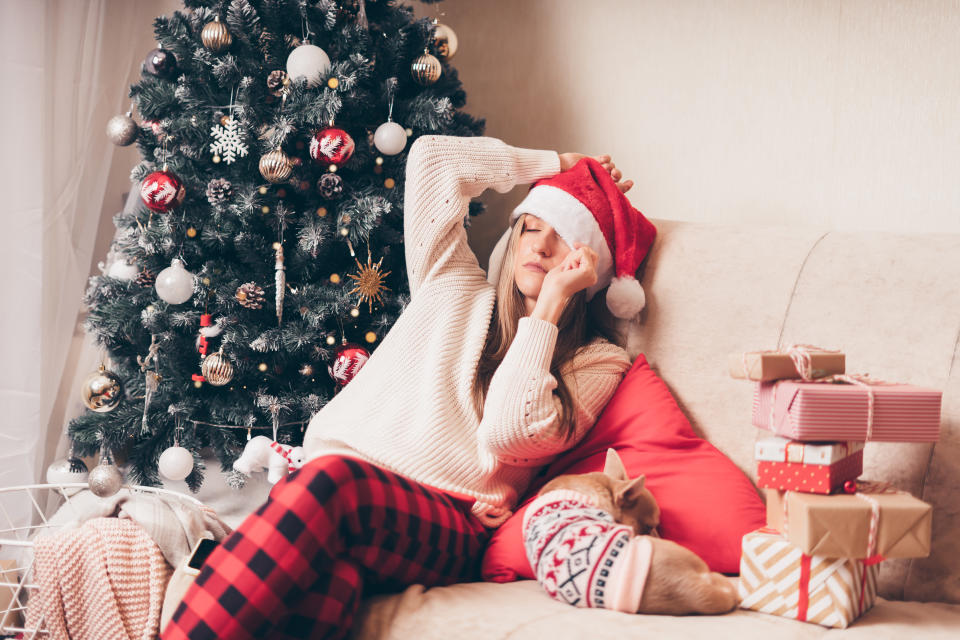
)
(369, 282)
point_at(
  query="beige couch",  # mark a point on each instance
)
(892, 302)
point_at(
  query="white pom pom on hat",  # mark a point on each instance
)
(584, 204)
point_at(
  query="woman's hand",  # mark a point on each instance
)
(567, 160)
(576, 272)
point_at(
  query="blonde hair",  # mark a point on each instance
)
(580, 324)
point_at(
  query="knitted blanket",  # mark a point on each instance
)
(102, 581)
(581, 556)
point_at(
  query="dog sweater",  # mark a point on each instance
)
(581, 556)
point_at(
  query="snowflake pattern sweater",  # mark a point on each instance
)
(410, 408)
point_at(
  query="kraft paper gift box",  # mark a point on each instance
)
(765, 366)
(804, 466)
(777, 578)
(821, 411)
(838, 526)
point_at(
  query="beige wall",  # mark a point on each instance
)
(836, 113)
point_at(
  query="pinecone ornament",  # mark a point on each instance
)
(146, 278)
(219, 191)
(250, 296)
(277, 81)
(330, 186)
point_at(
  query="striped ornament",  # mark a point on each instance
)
(777, 578)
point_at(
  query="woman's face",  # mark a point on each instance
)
(538, 250)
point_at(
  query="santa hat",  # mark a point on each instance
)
(583, 204)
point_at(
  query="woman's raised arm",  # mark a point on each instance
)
(443, 173)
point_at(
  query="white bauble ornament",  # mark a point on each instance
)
(123, 270)
(67, 471)
(174, 284)
(308, 61)
(175, 463)
(390, 138)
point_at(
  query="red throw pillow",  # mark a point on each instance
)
(706, 503)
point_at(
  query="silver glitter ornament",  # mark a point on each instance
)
(105, 479)
(122, 130)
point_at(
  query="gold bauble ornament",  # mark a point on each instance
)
(426, 69)
(445, 41)
(102, 391)
(216, 36)
(275, 166)
(217, 369)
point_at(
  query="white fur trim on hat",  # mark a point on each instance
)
(625, 297)
(573, 222)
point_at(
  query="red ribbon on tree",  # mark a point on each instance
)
(206, 320)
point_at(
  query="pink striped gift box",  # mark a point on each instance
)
(815, 411)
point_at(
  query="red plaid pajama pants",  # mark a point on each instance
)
(330, 533)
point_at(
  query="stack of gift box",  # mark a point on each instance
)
(827, 531)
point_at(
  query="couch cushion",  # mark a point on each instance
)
(706, 503)
(522, 611)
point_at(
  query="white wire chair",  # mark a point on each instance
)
(19, 580)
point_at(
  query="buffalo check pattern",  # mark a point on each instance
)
(330, 533)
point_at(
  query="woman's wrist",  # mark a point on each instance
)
(549, 308)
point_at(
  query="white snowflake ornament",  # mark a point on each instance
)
(229, 141)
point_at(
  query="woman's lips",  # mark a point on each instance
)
(533, 266)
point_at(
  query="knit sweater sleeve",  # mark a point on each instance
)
(443, 173)
(520, 423)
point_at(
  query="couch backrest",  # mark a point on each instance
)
(891, 302)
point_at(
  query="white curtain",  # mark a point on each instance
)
(64, 69)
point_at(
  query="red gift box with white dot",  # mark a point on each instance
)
(807, 467)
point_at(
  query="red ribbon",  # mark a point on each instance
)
(804, 598)
(867, 562)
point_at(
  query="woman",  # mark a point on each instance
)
(473, 390)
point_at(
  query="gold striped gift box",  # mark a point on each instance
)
(777, 578)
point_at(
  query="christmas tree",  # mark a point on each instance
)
(264, 257)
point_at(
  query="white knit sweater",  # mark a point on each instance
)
(410, 408)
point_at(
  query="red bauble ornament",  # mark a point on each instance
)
(161, 191)
(850, 486)
(347, 361)
(331, 146)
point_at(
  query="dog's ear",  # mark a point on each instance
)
(613, 466)
(627, 493)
